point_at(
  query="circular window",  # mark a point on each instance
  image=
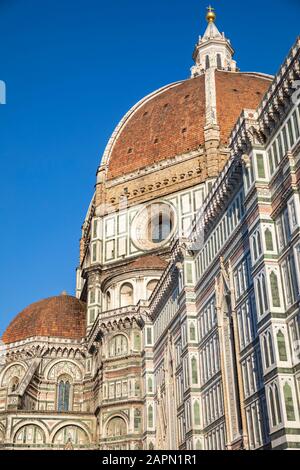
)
(153, 226)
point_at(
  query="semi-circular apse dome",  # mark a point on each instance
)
(59, 317)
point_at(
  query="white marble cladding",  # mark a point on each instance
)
(111, 238)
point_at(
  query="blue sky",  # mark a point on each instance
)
(72, 69)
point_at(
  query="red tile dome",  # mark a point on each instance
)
(61, 317)
(171, 121)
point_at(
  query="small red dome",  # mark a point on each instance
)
(63, 316)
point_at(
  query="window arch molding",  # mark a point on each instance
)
(118, 345)
(116, 426)
(17, 369)
(62, 366)
(40, 426)
(71, 424)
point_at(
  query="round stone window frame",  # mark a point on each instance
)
(140, 225)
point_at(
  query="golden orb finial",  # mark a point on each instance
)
(211, 16)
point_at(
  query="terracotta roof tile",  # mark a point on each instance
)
(149, 261)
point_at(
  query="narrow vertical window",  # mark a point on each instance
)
(194, 371)
(264, 290)
(95, 232)
(269, 240)
(260, 166)
(271, 348)
(288, 400)
(192, 332)
(272, 407)
(266, 353)
(281, 346)
(277, 404)
(150, 416)
(259, 295)
(207, 62)
(64, 388)
(274, 290)
(197, 413)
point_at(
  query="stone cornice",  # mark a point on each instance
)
(115, 319)
(157, 166)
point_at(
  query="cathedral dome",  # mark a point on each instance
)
(60, 317)
(171, 120)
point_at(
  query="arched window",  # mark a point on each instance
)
(288, 400)
(150, 287)
(219, 61)
(194, 371)
(281, 346)
(116, 427)
(269, 240)
(126, 295)
(70, 436)
(197, 413)
(64, 391)
(150, 416)
(151, 446)
(118, 346)
(207, 62)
